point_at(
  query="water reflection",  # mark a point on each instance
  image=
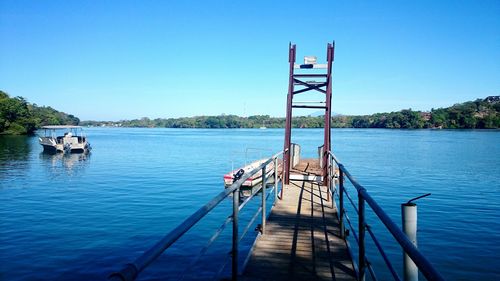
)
(14, 154)
(65, 163)
(14, 148)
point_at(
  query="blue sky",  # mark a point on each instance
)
(112, 60)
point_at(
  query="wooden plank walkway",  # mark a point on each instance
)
(307, 167)
(301, 240)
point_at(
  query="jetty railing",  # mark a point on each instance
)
(364, 198)
(131, 270)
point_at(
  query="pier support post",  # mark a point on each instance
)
(234, 251)
(409, 215)
(264, 183)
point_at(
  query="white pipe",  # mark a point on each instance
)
(409, 215)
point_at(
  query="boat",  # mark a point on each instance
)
(64, 138)
(253, 180)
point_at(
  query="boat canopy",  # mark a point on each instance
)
(55, 127)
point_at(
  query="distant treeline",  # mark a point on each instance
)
(17, 116)
(478, 114)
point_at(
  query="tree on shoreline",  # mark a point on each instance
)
(478, 114)
(19, 117)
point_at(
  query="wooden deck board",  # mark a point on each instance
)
(301, 240)
(307, 166)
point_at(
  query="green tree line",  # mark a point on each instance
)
(478, 114)
(17, 116)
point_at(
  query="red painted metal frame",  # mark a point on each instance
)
(288, 124)
(289, 105)
(328, 113)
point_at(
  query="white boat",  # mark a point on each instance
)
(252, 180)
(64, 138)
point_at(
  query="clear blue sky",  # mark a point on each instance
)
(111, 60)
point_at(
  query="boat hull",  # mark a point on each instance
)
(53, 149)
(65, 145)
(49, 149)
(253, 180)
(77, 150)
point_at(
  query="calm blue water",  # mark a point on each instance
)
(80, 218)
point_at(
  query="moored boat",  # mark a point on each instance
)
(64, 138)
(253, 180)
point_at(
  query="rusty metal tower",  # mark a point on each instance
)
(322, 83)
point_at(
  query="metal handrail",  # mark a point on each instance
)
(207, 246)
(244, 232)
(408, 247)
(383, 254)
(131, 270)
(352, 202)
(259, 210)
(372, 235)
(218, 232)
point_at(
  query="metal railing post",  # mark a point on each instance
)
(264, 182)
(341, 203)
(275, 180)
(130, 271)
(283, 181)
(332, 182)
(329, 176)
(361, 236)
(234, 251)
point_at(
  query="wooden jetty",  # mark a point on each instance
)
(302, 239)
(302, 236)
